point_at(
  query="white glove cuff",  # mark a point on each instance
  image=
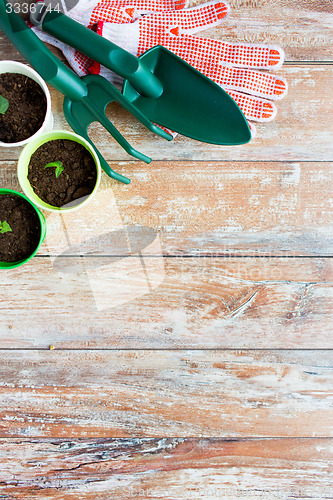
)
(124, 35)
(82, 11)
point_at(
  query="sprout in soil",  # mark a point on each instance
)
(58, 167)
(4, 105)
(5, 227)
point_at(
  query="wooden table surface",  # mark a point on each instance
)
(191, 359)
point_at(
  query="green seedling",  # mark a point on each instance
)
(5, 227)
(4, 104)
(58, 167)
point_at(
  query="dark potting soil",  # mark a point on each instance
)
(23, 240)
(27, 107)
(78, 178)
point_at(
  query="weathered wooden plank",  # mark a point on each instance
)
(302, 130)
(166, 393)
(224, 208)
(151, 302)
(303, 28)
(205, 208)
(175, 468)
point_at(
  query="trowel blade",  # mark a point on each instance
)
(190, 104)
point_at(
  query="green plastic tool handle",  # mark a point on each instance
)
(99, 49)
(50, 68)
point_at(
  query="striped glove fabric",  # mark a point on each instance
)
(141, 24)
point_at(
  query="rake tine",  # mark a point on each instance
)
(126, 104)
(107, 124)
(79, 129)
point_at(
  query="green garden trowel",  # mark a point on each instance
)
(85, 98)
(166, 89)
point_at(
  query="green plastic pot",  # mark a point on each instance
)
(12, 265)
(24, 160)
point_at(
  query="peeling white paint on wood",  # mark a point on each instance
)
(153, 468)
(218, 208)
(188, 393)
(279, 303)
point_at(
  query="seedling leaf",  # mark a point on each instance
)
(5, 227)
(58, 167)
(59, 170)
(4, 104)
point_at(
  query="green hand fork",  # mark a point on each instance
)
(85, 98)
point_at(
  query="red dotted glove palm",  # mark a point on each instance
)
(141, 24)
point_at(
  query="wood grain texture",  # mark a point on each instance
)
(302, 130)
(303, 28)
(171, 393)
(176, 468)
(223, 208)
(151, 302)
(207, 208)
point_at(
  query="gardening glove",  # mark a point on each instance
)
(89, 12)
(232, 66)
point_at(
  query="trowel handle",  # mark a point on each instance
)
(99, 49)
(50, 68)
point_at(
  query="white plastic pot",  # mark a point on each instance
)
(23, 69)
